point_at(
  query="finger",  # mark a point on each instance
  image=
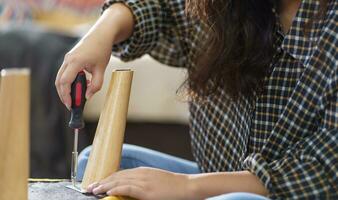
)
(95, 83)
(90, 187)
(106, 187)
(88, 75)
(123, 174)
(128, 190)
(65, 94)
(66, 79)
(57, 79)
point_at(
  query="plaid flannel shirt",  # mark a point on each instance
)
(287, 136)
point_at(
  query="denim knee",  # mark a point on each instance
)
(127, 151)
(239, 196)
(82, 162)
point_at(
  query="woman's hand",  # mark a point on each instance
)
(91, 55)
(144, 183)
(93, 51)
(152, 184)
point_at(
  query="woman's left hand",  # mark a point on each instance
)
(143, 183)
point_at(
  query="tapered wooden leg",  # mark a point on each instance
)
(14, 133)
(105, 155)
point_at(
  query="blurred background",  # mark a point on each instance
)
(36, 34)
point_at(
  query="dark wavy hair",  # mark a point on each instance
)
(239, 49)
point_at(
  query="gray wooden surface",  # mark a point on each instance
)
(55, 191)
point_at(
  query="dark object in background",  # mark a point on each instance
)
(51, 139)
(168, 138)
(42, 52)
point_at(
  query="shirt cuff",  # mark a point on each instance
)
(257, 165)
(146, 30)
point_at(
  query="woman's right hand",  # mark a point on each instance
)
(89, 54)
(93, 51)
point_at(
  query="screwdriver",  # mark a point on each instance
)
(78, 91)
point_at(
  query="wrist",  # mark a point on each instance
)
(201, 186)
(184, 187)
(192, 190)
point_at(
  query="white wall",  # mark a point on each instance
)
(153, 96)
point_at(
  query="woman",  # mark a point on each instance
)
(263, 88)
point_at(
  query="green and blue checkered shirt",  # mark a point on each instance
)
(288, 134)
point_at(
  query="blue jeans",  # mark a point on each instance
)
(135, 156)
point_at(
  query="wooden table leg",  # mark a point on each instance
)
(105, 155)
(14, 133)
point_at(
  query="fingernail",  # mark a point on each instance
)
(96, 189)
(88, 95)
(68, 106)
(92, 186)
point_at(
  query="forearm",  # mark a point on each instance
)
(115, 25)
(206, 185)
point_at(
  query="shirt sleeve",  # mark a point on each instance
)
(162, 30)
(309, 169)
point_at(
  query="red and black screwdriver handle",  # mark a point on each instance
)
(78, 92)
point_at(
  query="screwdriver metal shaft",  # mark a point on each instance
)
(74, 157)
